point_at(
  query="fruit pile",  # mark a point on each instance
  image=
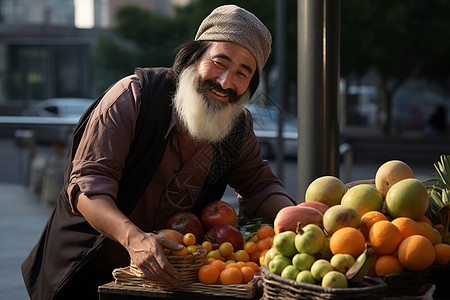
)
(338, 235)
(234, 252)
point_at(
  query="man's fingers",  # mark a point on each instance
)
(169, 244)
(160, 271)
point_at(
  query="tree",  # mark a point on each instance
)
(400, 39)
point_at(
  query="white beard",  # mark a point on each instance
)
(205, 120)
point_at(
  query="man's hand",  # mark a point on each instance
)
(145, 249)
(146, 252)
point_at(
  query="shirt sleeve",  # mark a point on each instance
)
(252, 177)
(104, 146)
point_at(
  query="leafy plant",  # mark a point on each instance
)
(439, 207)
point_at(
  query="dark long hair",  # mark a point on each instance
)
(190, 52)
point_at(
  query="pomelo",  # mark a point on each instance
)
(407, 198)
(363, 198)
(390, 173)
(326, 189)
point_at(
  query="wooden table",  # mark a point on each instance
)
(113, 291)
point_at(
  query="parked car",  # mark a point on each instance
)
(70, 109)
(265, 125)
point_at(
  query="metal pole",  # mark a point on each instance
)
(281, 82)
(318, 91)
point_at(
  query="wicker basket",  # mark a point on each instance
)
(425, 292)
(406, 283)
(127, 279)
(276, 287)
(186, 266)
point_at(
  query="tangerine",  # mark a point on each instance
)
(384, 237)
(231, 276)
(264, 232)
(348, 240)
(254, 257)
(425, 219)
(182, 252)
(416, 253)
(388, 264)
(442, 254)
(208, 274)
(262, 256)
(207, 246)
(407, 226)
(242, 255)
(220, 265)
(250, 247)
(226, 249)
(253, 265)
(189, 239)
(368, 219)
(247, 274)
(264, 244)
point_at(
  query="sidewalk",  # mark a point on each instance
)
(22, 218)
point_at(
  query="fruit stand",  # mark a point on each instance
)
(382, 240)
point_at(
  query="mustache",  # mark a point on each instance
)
(211, 85)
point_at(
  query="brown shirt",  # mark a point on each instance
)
(98, 163)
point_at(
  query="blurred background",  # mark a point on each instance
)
(57, 56)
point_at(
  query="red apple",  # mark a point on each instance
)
(322, 207)
(218, 213)
(225, 233)
(186, 222)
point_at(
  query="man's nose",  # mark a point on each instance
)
(225, 80)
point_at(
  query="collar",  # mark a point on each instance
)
(173, 123)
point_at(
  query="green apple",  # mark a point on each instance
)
(309, 239)
(269, 255)
(319, 268)
(290, 272)
(278, 263)
(342, 262)
(363, 198)
(334, 279)
(305, 276)
(284, 242)
(325, 252)
(303, 261)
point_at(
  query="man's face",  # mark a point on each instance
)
(212, 93)
(225, 71)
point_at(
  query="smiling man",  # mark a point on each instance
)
(158, 142)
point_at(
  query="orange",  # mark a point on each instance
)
(426, 230)
(253, 265)
(368, 219)
(208, 274)
(416, 253)
(425, 219)
(384, 237)
(242, 255)
(189, 239)
(250, 247)
(348, 240)
(262, 257)
(207, 246)
(247, 274)
(220, 265)
(226, 249)
(231, 276)
(264, 232)
(407, 226)
(253, 239)
(442, 252)
(372, 272)
(264, 244)
(254, 257)
(182, 252)
(232, 265)
(388, 264)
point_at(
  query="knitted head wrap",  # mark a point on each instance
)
(235, 24)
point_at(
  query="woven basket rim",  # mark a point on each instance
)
(371, 284)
